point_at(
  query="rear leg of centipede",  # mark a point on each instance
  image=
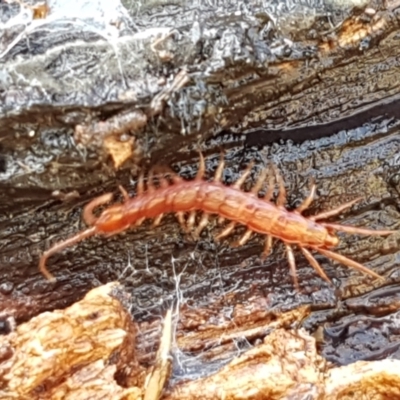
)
(347, 261)
(314, 263)
(355, 230)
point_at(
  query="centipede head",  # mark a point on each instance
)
(88, 212)
(112, 220)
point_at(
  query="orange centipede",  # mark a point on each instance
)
(258, 214)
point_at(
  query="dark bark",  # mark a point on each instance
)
(312, 88)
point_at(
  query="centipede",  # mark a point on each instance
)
(233, 206)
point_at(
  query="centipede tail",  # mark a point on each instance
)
(347, 261)
(356, 230)
(314, 263)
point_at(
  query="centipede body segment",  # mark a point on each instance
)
(186, 198)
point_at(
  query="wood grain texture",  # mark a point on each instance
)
(319, 99)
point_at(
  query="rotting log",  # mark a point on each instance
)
(88, 351)
(82, 112)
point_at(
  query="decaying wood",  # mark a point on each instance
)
(287, 366)
(74, 353)
(80, 352)
(89, 100)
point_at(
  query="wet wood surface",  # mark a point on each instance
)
(320, 102)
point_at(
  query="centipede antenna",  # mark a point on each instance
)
(314, 263)
(87, 214)
(335, 211)
(226, 231)
(220, 169)
(260, 182)
(292, 265)
(202, 224)
(355, 230)
(56, 248)
(307, 202)
(140, 184)
(244, 176)
(202, 167)
(124, 193)
(347, 261)
(244, 239)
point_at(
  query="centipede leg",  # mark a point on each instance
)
(271, 188)
(244, 239)
(202, 167)
(124, 193)
(181, 219)
(314, 263)
(150, 183)
(292, 265)
(140, 221)
(226, 231)
(220, 169)
(335, 211)
(267, 247)
(157, 220)
(202, 224)
(176, 178)
(281, 200)
(140, 185)
(347, 261)
(244, 176)
(260, 181)
(162, 180)
(306, 203)
(191, 220)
